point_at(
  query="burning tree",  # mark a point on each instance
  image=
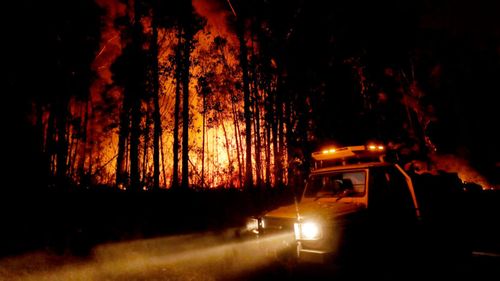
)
(227, 94)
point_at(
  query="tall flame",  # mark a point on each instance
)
(216, 126)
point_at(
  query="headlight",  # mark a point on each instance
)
(255, 225)
(307, 231)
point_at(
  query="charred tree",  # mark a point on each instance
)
(256, 106)
(145, 147)
(246, 102)
(203, 136)
(136, 87)
(121, 172)
(268, 129)
(178, 74)
(185, 107)
(156, 113)
(129, 71)
(188, 27)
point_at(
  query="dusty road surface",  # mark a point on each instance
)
(212, 256)
(206, 256)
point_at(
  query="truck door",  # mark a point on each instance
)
(389, 195)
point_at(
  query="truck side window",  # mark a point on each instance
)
(334, 184)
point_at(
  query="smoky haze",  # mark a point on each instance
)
(203, 256)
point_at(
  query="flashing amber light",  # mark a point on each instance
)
(331, 150)
(373, 147)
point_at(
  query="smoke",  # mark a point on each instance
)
(217, 13)
(110, 46)
(454, 164)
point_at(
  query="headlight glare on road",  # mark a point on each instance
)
(307, 231)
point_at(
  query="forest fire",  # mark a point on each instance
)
(466, 173)
(149, 119)
(100, 143)
(218, 94)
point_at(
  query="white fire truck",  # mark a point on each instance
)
(356, 207)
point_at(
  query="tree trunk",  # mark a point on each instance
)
(230, 163)
(281, 141)
(156, 113)
(185, 106)
(203, 141)
(73, 148)
(275, 133)
(145, 149)
(258, 167)
(121, 174)
(268, 125)
(289, 143)
(62, 142)
(238, 142)
(50, 143)
(178, 74)
(246, 101)
(134, 143)
(268, 155)
(81, 164)
(136, 89)
(163, 163)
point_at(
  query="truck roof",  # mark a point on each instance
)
(348, 157)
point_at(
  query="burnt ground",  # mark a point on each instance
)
(103, 235)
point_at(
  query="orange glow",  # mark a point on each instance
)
(217, 16)
(216, 127)
(330, 150)
(451, 164)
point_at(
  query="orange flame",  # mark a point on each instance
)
(452, 164)
(216, 140)
(217, 15)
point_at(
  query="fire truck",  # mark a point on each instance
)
(357, 207)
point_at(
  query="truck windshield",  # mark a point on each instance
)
(337, 184)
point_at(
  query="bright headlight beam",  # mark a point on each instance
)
(194, 257)
(310, 230)
(307, 231)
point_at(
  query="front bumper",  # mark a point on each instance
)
(312, 256)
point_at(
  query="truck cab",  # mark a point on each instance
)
(354, 203)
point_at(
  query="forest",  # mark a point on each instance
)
(152, 94)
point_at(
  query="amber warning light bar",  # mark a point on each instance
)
(332, 153)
